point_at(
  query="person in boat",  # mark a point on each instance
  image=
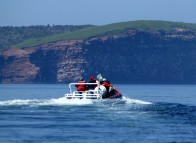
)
(111, 92)
(108, 87)
(81, 87)
(92, 80)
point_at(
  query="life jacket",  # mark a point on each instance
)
(80, 86)
(107, 85)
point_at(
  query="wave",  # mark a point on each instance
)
(63, 101)
(47, 102)
(131, 107)
(134, 101)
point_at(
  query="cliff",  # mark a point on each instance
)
(48, 63)
(130, 56)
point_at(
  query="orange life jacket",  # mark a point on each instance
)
(107, 85)
(80, 86)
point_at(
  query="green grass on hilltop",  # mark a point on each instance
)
(106, 29)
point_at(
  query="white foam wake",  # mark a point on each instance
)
(48, 102)
(63, 101)
(134, 101)
(19, 102)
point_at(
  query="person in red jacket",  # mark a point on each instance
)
(80, 86)
(111, 91)
(107, 84)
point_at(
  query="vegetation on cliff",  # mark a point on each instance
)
(109, 29)
(10, 35)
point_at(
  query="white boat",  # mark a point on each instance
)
(88, 94)
(99, 92)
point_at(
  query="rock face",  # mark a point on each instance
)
(48, 63)
(135, 56)
(16, 67)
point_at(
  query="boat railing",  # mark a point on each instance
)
(87, 94)
(71, 84)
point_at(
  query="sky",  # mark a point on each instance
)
(96, 12)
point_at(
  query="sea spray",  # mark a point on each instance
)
(63, 101)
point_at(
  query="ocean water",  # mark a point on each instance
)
(146, 114)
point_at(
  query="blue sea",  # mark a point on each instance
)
(39, 113)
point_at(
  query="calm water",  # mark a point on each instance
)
(147, 113)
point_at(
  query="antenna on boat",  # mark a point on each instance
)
(99, 77)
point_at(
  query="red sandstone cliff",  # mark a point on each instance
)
(135, 56)
(47, 63)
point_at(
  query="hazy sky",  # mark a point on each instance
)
(97, 12)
